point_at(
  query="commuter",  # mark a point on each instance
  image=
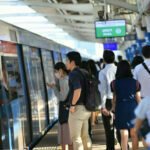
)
(126, 96)
(93, 72)
(119, 58)
(63, 127)
(78, 115)
(106, 76)
(142, 75)
(136, 61)
(143, 112)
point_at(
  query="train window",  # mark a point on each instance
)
(13, 115)
(36, 89)
(57, 57)
(49, 77)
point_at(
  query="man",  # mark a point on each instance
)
(142, 75)
(78, 116)
(106, 76)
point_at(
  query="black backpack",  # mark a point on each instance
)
(92, 94)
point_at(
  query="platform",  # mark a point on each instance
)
(49, 142)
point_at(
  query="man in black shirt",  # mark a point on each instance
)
(78, 116)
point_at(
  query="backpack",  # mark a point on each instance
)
(92, 94)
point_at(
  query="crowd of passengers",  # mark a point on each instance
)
(125, 100)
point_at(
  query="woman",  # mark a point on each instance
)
(91, 67)
(63, 132)
(126, 91)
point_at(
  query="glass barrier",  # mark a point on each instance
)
(36, 89)
(14, 130)
(49, 77)
(57, 57)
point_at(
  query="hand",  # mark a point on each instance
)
(72, 109)
(105, 112)
(51, 85)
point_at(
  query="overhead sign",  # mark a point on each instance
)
(113, 28)
(110, 46)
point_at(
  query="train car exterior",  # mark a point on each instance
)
(28, 108)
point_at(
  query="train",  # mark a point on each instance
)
(28, 108)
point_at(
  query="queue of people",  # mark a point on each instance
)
(125, 100)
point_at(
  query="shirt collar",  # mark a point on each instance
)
(110, 65)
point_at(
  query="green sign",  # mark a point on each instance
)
(107, 29)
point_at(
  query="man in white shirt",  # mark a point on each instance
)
(143, 112)
(106, 76)
(142, 75)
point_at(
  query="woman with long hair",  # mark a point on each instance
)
(126, 96)
(91, 67)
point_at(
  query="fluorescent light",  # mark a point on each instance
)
(37, 25)
(4, 9)
(24, 19)
(47, 30)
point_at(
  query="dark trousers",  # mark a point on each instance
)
(109, 127)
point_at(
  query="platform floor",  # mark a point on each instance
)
(49, 142)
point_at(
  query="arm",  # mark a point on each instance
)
(138, 97)
(76, 96)
(114, 102)
(76, 85)
(102, 88)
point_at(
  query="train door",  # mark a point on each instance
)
(35, 80)
(14, 129)
(50, 78)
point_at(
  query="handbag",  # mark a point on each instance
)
(63, 111)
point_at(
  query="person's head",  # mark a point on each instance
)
(119, 58)
(101, 61)
(123, 70)
(136, 61)
(92, 67)
(60, 70)
(84, 65)
(109, 57)
(73, 60)
(146, 51)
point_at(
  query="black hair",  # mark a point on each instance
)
(136, 61)
(84, 65)
(101, 60)
(92, 67)
(109, 56)
(119, 58)
(123, 70)
(146, 51)
(74, 56)
(60, 65)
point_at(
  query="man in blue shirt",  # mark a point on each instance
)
(78, 116)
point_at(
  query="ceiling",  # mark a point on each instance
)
(76, 17)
